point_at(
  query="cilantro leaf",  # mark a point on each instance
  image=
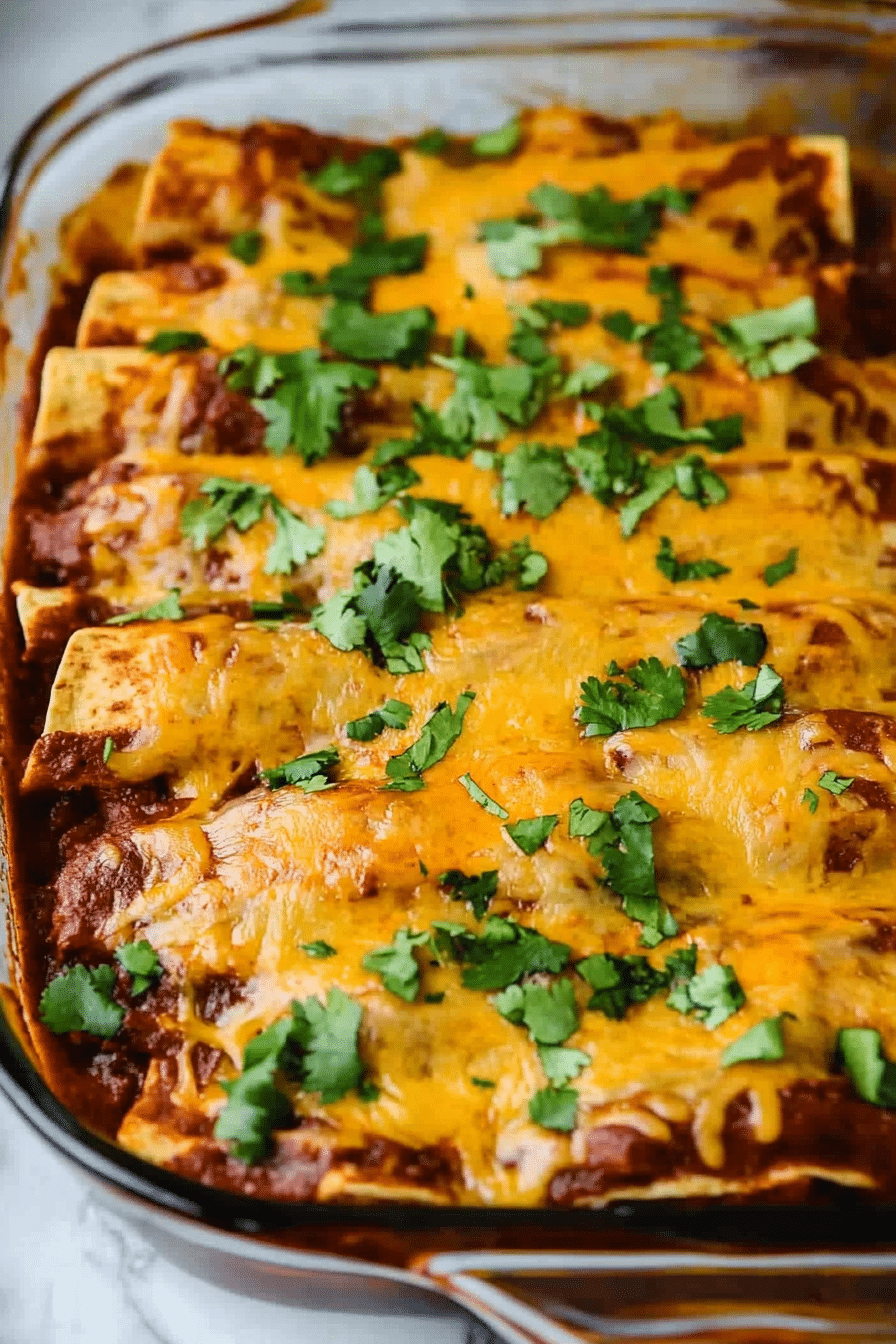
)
(619, 982)
(772, 340)
(430, 438)
(224, 502)
(488, 398)
(764, 1041)
(689, 475)
(481, 797)
(108, 748)
(401, 337)
(141, 963)
(498, 144)
(782, 568)
(439, 733)
(669, 345)
(331, 1065)
(319, 949)
(562, 1064)
(397, 965)
(255, 1107)
(433, 141)
(759, 703)
(310, 773)
(270, 612)
(168, 609)
(534, 477)
(566, 312)
(503, 953)
(338, 178)
(369, 260)
(531, 833)
(513, 247)
(655, 422)
(372, 489)
(834, 783)
(654, 693)
(554, 1108)
(165, 342)
(810, 798)
(685, 571)
(586, 378)
(393, 714)
(246, 246)
(872, 1075)
(712, 995)
(721, 639)
(549, 1011)
(623, 843)
(80, 999)
(481, 1082)
(478, 891)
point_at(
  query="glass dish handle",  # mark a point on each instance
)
(671, 1297)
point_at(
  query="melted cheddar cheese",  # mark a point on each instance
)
(146, 765)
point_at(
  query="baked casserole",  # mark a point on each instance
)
(449, 745)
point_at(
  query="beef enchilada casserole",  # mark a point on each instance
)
(451, 664)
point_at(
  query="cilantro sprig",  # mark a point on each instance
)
(396, 964)
(481, 797)
(366, 174)
(440, 731)
(502, 954)
(772, 340)
(669, 344)
(393, 714)
(369, 260)
(500, 143)
(142, 964)
(686, 571)
(167, 609)
(490, 398)
(639, 697)
(246, 246)
(311, 773)
(80, 999)
(712, 995)
(534, 477)
(226, 503)
(477, 890)
(593, 218)
(781, 569)
(549, 1011)
(301, 395)
(373, 488)
(316, 1045)
(401, 337)
(721, 639)
(756, 705)
(618, 983)
(623, 843)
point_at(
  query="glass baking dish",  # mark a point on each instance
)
(641, 1269)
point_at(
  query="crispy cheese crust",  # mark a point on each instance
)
(140, 811)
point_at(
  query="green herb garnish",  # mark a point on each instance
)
(756, 705)
(372, 488)
(224, 502)
(721, 639)
(166, 342)
(393, 714)
(772, 340)
(319, 949)
(441, 731)
(481, 797)
(246, 246)
(141, 963)
(498, 144)
(80, 999)
(531, 833)
(686, 571)
(764, 1041)
(649, 694)
(397, 965)
(310, 773)
(872, 1075)
(834, 783)
(782, 568)
(168, 609)
(398, 338)
(478, 891)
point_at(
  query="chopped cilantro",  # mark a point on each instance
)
(554, 1108)
(686, 571)
(481, 1082)
(689, 475)
(400, 338)
(369, 260)
(872, 1075)
(319, 949)
(834, 783)
(623, 843)
(619, 982)
(430, 438)
(498, 144)
(165, 342)
(393, 714)
(310, 773)
(317, 1045)
(764, 1041)
(712, 995)
(108, 748)
(650, 694)
(721, 639)
(241, 504)
(246, 246)
(300, 395)
(338, 178)
(141, 963)
(746, 605)
(481, 797)
(80, 999)
(441, 731)
(526, 342)
(488, 398)
(272, 612)
(535, 478)
(374, 488)
(655, 423)
(168, 609)
(587, 378)
(669, 345)
(433, 141)
(434, 998)
(478, 891)
(759, 703)
(593, 218)
(502, 954)
(772, 340)
(562, 1064)
(782, 568)
(810, 798)
(397, 965)
(531, 833)
(549, 1011)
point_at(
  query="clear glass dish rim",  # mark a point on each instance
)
(748, 1227)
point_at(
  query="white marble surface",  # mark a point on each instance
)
(70, 1273)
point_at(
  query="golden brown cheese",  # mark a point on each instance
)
(154, 733)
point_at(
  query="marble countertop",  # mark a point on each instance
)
(71, 1273)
